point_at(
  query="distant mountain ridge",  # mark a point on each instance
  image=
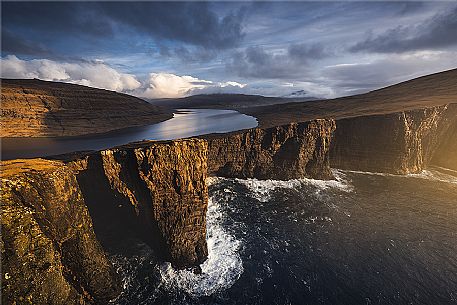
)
(300, 94)
(224, 101)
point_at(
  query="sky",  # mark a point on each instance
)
(176, 49)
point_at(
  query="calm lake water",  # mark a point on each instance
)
(185, 123)
(364, 238)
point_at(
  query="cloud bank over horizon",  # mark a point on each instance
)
(170, 49)
(99, 75)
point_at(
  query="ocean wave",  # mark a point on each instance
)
(222, 268)
(261, 190)
(130, 268)
(432, 174)
(435, 175)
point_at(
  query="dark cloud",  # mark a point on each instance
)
(192, 23)
(13, 44)
(51, 18)
(409, 7)
(437, 32)
(305, 51)
(195, 55)
(256, 62)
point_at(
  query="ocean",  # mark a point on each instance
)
(363, 238)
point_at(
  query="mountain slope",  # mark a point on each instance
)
(427, 91)
(35, 108)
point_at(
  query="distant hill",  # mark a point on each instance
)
(224, 101)
(426, 91)
(302, 94)
(36, 108)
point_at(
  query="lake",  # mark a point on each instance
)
(185, 123)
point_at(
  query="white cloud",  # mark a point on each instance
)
(232, 84)
(171, 85)
(162, 85)
(100, 75)
(94, 74)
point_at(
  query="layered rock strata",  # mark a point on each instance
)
(445, 154)
(155, 189)
(401, 143)
(50, 254)
(296, 150)
(57, 216)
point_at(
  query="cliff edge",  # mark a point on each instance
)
(59, 219)
(50, 254)
(291, 151)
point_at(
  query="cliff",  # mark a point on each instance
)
(58, 219)
(445, 154)
(35, 108)
(154, 190)
(283, 152)
(403, 142)
(50, 254)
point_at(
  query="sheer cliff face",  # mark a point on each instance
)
(445, 154)
(157, 190)
(401, 143)
(50, 254)
(291, 151)
(56, 218)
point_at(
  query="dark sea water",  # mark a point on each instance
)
(185, 123)
(361, 239)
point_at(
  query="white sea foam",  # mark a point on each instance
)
(428, 174)
(435, 176)
(222, 268)
(262, 189)
(129, 268)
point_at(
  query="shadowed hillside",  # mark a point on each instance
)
(427, 91)
(35, 108)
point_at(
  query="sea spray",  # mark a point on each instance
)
(223, 266)
(262, 189)
(432, 174)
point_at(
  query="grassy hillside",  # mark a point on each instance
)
(35, 108)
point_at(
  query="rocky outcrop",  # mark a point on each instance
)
(291, 151)
(401, 143)
(50, 254)
(155, 189)
(58, 218)
(445, 154)
(35, 108)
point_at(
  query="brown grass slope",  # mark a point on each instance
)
(427, 91)
(35, 108)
